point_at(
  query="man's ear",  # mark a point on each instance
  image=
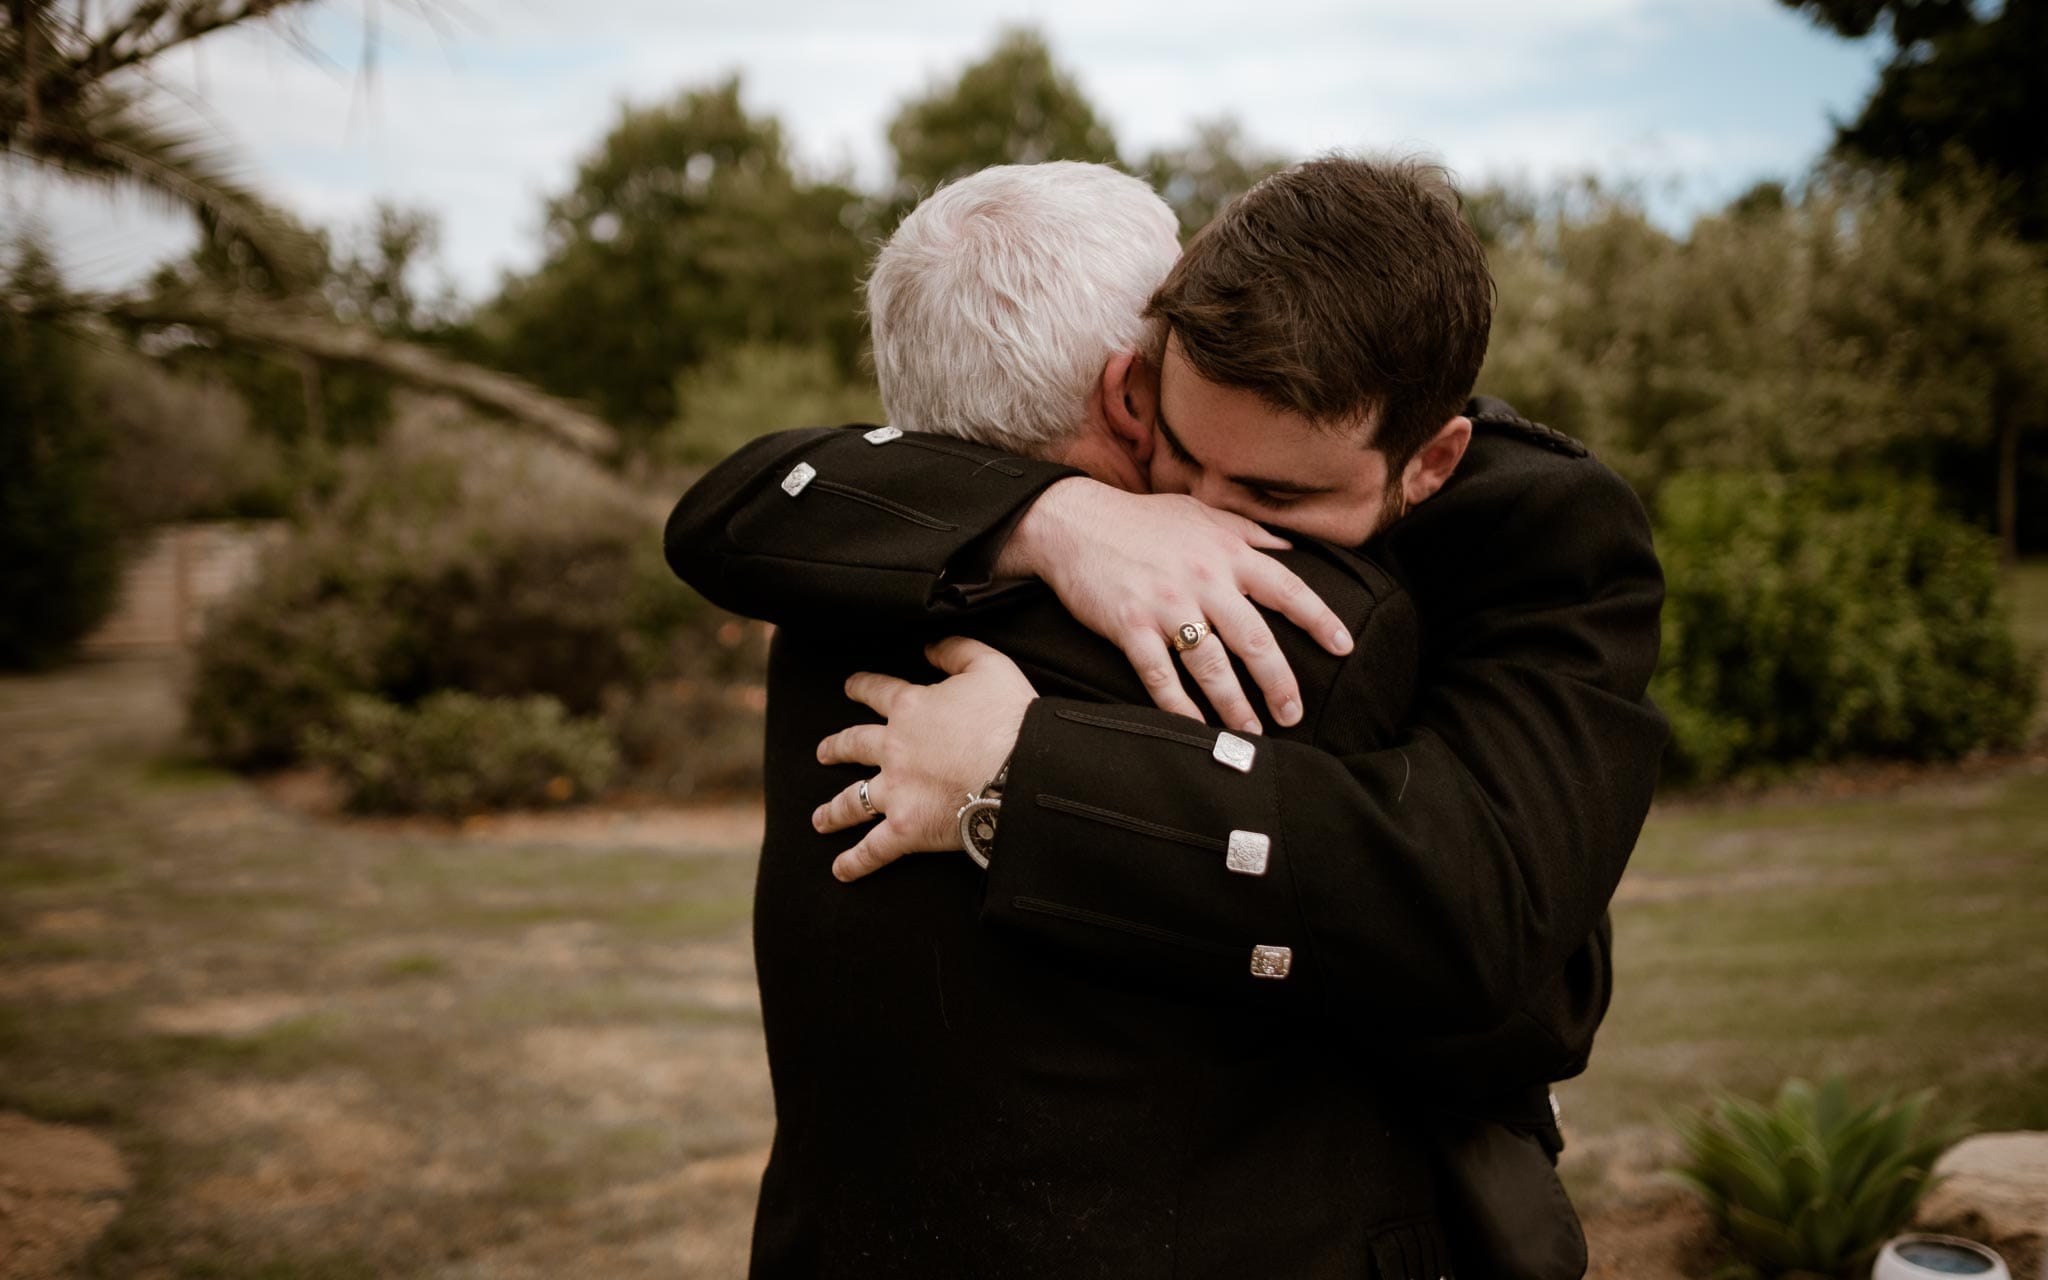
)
(1130, 404)
(1433, 464)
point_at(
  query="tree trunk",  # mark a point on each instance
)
(309, 387)
(2008, 486)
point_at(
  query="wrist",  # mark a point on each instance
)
(1035, 545)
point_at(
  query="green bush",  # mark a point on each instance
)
(754, 389)
(456, 754)
(1813, 1186)
(59, 542)
(477, 560)
(181, 448)
(447, 558)
(1813, 620)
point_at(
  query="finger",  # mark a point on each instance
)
(877, 849)
(1157, 670)
(1243, 630)
(1209, 663)
(845, 809)
(1254, 533)
(879, 692)
(1274, 585)
(955, 654)
(861, 744)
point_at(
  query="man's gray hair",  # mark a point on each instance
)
(998, 300)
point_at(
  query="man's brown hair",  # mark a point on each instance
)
(1342, 289)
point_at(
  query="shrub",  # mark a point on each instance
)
(181, 448)
(476, 560)
(447, 558)
(456, 753)
(698, 732)
(1813, 620)
(59, 544)
(757, 388)
(1813, 1186)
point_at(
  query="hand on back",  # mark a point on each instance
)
(1136, 568)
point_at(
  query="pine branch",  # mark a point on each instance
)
(283, 327)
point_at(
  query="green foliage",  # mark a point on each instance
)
(181, 448)
(1964, 84)
(59, 548)
(1813, 1186)
(1013, 107)
(455, 753)
(685, 233)
(447, 559)
(1216, 167)
(752, 390)
(374, 275)
(1854, 326)
(458, 558)
(1811, 620)
(290, 397)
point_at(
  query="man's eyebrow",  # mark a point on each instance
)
(1248, 482)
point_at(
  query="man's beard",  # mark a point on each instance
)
(1393, 505)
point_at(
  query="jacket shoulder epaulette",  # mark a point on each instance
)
(1492, 415)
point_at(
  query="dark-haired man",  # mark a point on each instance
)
(1324, 333)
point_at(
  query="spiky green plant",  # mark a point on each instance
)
(1814, 1185)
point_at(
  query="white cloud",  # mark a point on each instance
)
(479, 124)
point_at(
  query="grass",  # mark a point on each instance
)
(2029, 581)
(338, 1049)
(1893, 939)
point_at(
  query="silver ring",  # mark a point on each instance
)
(1189, 634)
(865, 802)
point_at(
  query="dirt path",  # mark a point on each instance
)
(524, 1047)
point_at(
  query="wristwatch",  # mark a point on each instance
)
(977, 818)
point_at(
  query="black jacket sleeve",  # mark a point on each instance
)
(1455, 881)
(1439, 884)
(852, 526)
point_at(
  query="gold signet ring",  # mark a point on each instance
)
(1188, 635)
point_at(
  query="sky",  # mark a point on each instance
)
(481, 113)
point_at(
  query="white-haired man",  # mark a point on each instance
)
(1025, 1073)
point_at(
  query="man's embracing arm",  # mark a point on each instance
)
(876, 529)
(1442, 880)
(852, 526)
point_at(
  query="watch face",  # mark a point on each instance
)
(978, 829)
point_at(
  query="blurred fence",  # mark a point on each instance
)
(181, 574)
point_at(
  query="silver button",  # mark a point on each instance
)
(881, 435)
(1247, 853)
(1235, 752)
(799, 476)
(1272, 962)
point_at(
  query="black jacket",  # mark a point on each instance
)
(1437, 890)
(954, 1099)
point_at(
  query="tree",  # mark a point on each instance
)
(1855, 326)
(373, 275)
(1219, 165)
(1013, 107)
(1964, 81)
(59, 553)
(66, 103)
(75, 100)
(685, 233)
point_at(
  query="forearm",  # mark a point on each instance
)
(1437, 877)
(1400, 894)
(828, 526)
